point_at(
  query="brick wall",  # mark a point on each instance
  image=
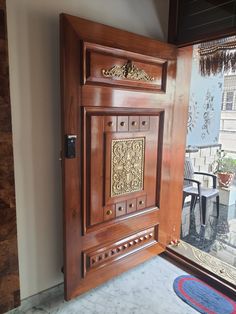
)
(202, 161)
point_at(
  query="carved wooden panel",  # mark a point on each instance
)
(121, 164)
(111, 66)
(9, 274)
(106, 98)
(102, 256)
(127, 165)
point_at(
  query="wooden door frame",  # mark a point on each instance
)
(186, 58)
(173, 29)
(200, 272)
(11, 296)
(9, 269)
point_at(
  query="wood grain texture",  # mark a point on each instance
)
(98, 258)
(100, 115)
(100, 58)
(171, 219)
(9, 273)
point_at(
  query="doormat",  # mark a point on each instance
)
(203, 297)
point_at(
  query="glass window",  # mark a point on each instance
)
(229, 96)
(229, 106)
(229, 101)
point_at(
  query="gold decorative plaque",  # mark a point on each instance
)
(127, 166)
(127, 71)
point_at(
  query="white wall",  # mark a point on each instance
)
(34, 79)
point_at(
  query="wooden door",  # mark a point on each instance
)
(122, 151)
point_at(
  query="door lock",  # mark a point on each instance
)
(70, 149)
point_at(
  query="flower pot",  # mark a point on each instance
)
(225, 179)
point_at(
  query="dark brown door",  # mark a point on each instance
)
(121, 151)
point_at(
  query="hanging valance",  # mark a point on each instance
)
(214, 56)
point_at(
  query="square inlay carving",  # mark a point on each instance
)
(127, 166)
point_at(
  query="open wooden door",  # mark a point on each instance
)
(123, 139)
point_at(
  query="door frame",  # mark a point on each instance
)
(180, 260)
(9, 267)
(169, 253)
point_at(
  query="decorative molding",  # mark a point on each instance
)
(100, 257)
(215, 265)
(127, 166)
(127, 71)
(207, 261)
(141, 123)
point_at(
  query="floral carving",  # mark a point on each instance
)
(207, 261)
(127, 159)
(127, 71)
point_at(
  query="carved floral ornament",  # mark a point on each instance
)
(127, 71)
(209, 262)
(127, 166)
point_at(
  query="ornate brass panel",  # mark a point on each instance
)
(127, 71)
(209, 262)
(127, 166)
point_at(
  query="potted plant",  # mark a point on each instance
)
(225, 168)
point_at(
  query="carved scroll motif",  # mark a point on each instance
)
(127, 71)
(127, 160)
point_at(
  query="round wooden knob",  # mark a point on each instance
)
(141, 202)
(131, 205)
(122, 123)
(110, 123)
(109, 212)
(134, 123)
(144, 122)
(120, 208)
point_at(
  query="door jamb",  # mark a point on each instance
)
(9, 268)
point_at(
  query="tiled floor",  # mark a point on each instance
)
(146, 289)
(220, 234)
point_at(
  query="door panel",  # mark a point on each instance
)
(118, 100)
(122, 152)
(103, 256)
(106, 65)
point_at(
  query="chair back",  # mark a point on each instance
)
(188, 171)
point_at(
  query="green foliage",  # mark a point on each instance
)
(223, 163)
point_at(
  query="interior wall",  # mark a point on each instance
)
(33, 31)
